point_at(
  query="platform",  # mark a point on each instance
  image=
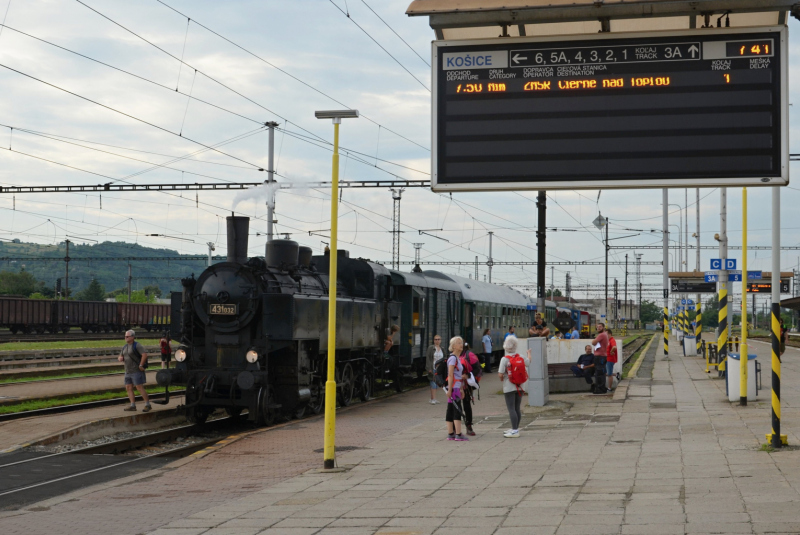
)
(670, 456)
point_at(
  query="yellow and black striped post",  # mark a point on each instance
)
(775, 438)
(666, 331)
(698, 320)
(722, 341)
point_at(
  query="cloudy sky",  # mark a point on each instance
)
(93, 91)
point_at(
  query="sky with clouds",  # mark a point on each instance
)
(93, 91)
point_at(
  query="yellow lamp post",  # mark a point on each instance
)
(329, 455)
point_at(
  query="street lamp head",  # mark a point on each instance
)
(336, 115)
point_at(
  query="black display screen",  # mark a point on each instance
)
(643, 112)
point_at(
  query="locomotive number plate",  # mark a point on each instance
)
(223, 310)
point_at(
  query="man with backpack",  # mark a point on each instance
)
(514, 374)
(135, 360)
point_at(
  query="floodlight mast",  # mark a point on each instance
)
(329, 450)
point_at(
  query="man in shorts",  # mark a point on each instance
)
(135, 360)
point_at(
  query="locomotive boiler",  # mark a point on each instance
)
(254, 332)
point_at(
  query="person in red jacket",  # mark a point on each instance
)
(611, 359)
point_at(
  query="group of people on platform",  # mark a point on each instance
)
(458, 371)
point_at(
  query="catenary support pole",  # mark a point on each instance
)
(775, 438)
(743, 353)
(129, 282)
(698, 326)
(722, 287)
(606, 282)
(270, 182)
(490, 262)
(665, 263)
(626, 313)
(66, 273)
(541, 247)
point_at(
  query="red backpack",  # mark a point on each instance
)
(516, 371)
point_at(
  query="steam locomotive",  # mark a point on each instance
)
(254, 332)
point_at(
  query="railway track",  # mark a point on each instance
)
(28, 476)
(7, 337)
(79, 406)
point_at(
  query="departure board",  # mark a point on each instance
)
(695, 108)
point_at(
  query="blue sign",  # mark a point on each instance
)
(753, 275)
(712, 278)
(734, 277)
(716, 263)
(689, 302)
(683, 301)
(730, 263)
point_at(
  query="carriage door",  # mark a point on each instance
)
(418, 322)
(469, 325)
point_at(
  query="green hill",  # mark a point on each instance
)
(113, 274)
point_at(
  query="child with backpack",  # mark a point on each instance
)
(514, 374)
(471, 367)
(455, 372)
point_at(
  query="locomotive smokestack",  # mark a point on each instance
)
(238, 227)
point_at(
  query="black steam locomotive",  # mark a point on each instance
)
(254, 332)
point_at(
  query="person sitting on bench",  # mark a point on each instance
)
(585, 366)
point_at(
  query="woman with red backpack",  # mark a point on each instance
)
(514, 374)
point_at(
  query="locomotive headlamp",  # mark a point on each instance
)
(252, 356)
(180, 355)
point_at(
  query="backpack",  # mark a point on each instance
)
(135, 353)
(516, 371)
(165, 348)
(440, 371)
(472, 365)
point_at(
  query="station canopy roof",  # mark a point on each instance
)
(477, 19)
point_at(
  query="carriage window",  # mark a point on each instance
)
(468, 315)
(418, 311)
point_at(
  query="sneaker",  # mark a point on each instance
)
(514, 433)
(131, 408)
(470, 432)
(147, 408)
(460, 438)
(451, 437)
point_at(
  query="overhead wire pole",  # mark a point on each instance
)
(776, 438)
(541, 247)
(66, 272)
(329, 448)
(665, 260)
(397, 195)
(490, 262)
(724, 306)
(270, 181)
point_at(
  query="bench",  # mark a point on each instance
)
(562, 380)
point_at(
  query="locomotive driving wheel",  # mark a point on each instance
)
(346, 380)
(266, 415)
(364, 384)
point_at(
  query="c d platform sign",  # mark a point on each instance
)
(661, 109)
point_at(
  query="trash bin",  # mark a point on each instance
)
(732, 369)
(690, 345)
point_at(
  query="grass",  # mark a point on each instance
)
(71, 375)
(60, 402)
(23, 346)
(766, 447)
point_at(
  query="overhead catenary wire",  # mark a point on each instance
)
(292, 76)
(397, 34)
(346, 14)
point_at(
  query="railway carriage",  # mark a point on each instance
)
(431, 305)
